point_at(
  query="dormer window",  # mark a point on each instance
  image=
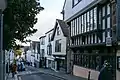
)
(75, 2)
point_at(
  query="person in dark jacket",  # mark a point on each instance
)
(105, 72)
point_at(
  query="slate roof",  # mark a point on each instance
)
(64, 28)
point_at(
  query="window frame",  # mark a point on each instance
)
(58, 45)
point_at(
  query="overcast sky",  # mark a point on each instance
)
(47, 17)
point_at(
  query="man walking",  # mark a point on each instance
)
(105, 72)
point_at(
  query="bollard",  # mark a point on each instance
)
(89, 75)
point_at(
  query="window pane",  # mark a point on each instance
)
(95, 38)
(103, 11)
(91, 19)
(100, 18)
(75, 27)
(89, 39)
(80, 25)
(103, 36)
(85, 22)
(95, 18)
(103, 24)
(88, 23)
(108, 9)
(108, 22)
(86, 40)
(80, 40)
(92, 38)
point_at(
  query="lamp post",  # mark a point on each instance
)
(1, 45)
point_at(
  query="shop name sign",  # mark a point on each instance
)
(108, 41)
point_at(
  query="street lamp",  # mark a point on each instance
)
(2, 55)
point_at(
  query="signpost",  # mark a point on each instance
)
(108, 41)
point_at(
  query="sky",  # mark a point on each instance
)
(46, 18)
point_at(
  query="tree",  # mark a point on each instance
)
(19, 20)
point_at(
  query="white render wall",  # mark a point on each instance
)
(63, 43)
(46, 43)
(28, 56)
(70, 11)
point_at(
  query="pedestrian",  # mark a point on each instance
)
(105, 72)
(14, 67)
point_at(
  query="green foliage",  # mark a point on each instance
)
(19, 21)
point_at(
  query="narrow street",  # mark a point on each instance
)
(33, 74)
(39, 76)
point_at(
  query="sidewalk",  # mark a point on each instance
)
(58, 74)
(10, 77)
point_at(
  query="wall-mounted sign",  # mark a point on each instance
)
(108, 41)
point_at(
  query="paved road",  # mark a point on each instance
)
(32, 74)
(39, 76)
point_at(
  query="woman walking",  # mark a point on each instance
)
(14, 67)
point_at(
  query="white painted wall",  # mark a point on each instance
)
(46, 42)
(70, 11)
(28, 55)
(63, 43)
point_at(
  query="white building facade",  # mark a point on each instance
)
(59, 44)
(50, 63)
